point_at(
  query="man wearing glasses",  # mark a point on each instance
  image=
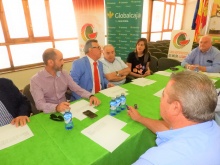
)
(87, 71)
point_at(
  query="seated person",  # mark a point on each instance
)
(84, 70)
(205, 57)
(138, 60)
(48, 86)
(187, 134)
(115, 69)
(14, 107)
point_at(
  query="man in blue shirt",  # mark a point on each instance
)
(205, 57)
(115, 69)
(187, 135)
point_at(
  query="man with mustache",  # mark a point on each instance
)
(48, 86)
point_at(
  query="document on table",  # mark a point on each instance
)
(142, 81)
(79, 107)
(212, 75)
(11, 135)
(159, 93)
(114, 91)
(107, 132)
(163, 73)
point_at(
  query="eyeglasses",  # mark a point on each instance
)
(56, 118)
(97, 47)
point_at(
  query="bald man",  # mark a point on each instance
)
(115, 69)
(205, 57)
(48, 86)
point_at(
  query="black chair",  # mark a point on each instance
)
(27, 93)
(166, 63)
(152, 50)
(159, 54)
(162, 48)
(195, 44)
(217, 45)
(153, 64)
(166, 51)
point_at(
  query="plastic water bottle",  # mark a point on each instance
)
(113, 106)
(123, 101)
(118, 101)
(68, 120)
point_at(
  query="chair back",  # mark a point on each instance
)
(27, 93)
(166, 63)
(153, 64)
(159, 55)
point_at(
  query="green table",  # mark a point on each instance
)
(52, 144)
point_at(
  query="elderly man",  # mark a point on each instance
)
(187, 134)
(205, 57)
(87, 71)
(48, 86)
(115, 69)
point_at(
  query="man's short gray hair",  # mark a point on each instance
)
(196, 93)
(88, 45)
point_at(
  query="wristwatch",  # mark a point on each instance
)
(117, 74)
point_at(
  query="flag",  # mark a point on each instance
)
(201, 17)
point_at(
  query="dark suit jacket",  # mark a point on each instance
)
(16, 103)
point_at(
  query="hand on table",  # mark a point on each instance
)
(62, 106)
(20, 121)
(94, 100)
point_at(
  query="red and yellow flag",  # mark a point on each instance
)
(201, 17)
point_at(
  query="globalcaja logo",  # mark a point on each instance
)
(180, 40)
(88, 32)
(110, 14)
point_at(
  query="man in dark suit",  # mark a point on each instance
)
(14, 107)
(83, 71)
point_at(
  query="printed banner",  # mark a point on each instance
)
(124, 20)
(214, 23)
(181, 44)
(90, 21)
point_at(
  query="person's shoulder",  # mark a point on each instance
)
(38, 74)
(5, 81)
(81, 61)
(102, 59)
(215, 49)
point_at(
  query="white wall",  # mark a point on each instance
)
(22, 78)
(188, 14)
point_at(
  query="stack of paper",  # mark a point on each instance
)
(159, 93)
(212, 75)
(163, 73)
(107, 132)
(10, 135)
(142, 81)
(114, 91)
(79, 107)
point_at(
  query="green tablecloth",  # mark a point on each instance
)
(52, 144)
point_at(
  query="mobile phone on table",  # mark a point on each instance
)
(90, 114)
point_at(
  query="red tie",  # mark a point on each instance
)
(96, 78)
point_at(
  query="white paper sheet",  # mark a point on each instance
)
(114, 91)
(163, 73)
(212, 75)
(11, 135)
(79, 107)
(159, 93)
(106, 132)
(142, 81)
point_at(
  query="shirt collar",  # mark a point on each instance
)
(91, 60)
